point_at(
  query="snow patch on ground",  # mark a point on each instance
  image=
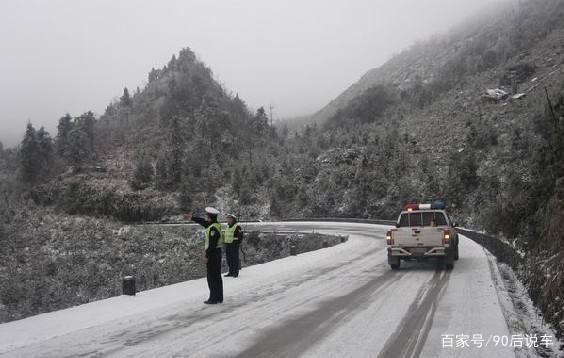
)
(521, 315)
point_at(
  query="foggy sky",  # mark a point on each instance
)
(60, 56)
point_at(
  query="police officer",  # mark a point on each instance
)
(213, 240)
(233, 235)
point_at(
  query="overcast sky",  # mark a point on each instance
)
(60, 56)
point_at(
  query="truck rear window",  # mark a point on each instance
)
(422, 219)
(438, 217)
(415, 219)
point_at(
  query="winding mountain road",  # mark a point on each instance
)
(342, 301)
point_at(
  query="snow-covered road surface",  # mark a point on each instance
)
(342, 301)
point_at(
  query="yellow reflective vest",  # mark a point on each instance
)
(217, 226)
(229, 234)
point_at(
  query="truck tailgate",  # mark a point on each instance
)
(419, 236)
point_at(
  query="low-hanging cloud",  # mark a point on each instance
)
(77, 55)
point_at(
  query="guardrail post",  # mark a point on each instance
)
(293, 249)
(129, 285)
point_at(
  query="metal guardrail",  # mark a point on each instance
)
(501, 250)
(348, 220)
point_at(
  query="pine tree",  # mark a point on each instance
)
(87, 121)
(172, 63)
(260, 123)
(30, 161)
(78, 151)
(154, 75)
(46, 152)
(125, 99)
(63, 130)
(110, 109)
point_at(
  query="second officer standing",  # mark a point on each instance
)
(232, 237)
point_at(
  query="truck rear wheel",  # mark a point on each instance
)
(446, 262)
(394, 262)
(449, 260)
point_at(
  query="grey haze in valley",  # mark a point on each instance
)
(72, 56)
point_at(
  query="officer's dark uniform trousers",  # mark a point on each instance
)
(215, 283)
(213, 254)
(232, 256)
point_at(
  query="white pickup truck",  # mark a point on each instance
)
(423, 231)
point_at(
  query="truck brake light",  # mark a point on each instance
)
(389, 238)
(446, 237)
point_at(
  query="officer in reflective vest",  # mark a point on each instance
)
(213, 240)
(232, 237)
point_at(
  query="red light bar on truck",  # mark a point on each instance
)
(436, 205)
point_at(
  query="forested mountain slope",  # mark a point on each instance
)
(423, 130)
(484, 41)
(427, 127)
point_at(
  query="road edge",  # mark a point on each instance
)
(521, 316)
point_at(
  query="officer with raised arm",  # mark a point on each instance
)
(213, 240)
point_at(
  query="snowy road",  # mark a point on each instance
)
(342, 301)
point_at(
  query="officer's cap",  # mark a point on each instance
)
(231, 216)
(212, 211)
